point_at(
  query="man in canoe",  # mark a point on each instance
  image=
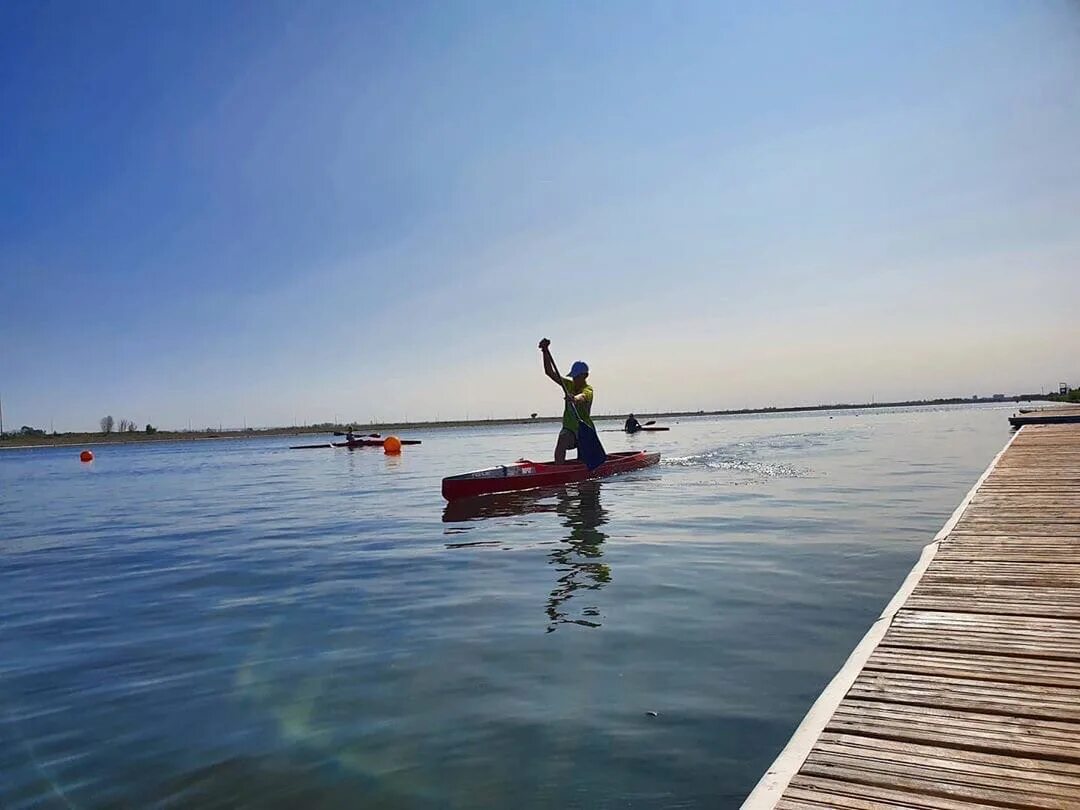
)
(576, 390)
(632, 424)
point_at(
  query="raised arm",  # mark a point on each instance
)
(549, 363)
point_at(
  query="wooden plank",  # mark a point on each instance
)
(1006, 503)
(1024, 484)
(1038, 528)
(1048, 771)
(1066, 543)
(1008, 500)
(1016, 600)
(964, 632)
(1067, 571)
(1015, 594)
(1018, 508)
(1008, 547)
(855, 796)
(1020, 514)
(1021, 488)
(1025, 523)
(980, 666)
(960, 642)
(1008, 553)
(975, 731)
(969, 693)
(1020, 478)
(1003, 605)
(1022, 531)
(1005, 572)
(943, 776)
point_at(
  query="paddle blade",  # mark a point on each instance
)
(589, 448)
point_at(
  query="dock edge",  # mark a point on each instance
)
(770, 788)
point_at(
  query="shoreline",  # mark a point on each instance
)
(16, 442)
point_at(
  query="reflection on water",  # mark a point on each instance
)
(577, 557)
(509, 504)
(577, 560)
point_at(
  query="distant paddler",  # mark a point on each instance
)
(634, 426)
(578, 430)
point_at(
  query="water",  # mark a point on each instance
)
(231, 623)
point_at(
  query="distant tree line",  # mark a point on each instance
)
(124, 426)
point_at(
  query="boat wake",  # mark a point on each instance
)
(743, 464)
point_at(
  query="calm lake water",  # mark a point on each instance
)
(236, 624)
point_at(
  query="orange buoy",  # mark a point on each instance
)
(391, 445)
(86, 455)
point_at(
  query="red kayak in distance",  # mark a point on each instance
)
(365, 442)
(361, 442)
(532, 474)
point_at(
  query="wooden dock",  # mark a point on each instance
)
(1063, 415)
(965, 693)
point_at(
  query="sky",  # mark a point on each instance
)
(266, 213)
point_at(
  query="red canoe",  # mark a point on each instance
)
(532, 474)
(364, 441)
(368, 442)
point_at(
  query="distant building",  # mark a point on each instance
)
(999, 397)
(1063, 388)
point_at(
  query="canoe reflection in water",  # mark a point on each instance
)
(577, 558)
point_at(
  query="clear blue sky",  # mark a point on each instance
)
(261, 211)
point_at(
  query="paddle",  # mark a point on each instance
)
(361, 435)
(589, 448)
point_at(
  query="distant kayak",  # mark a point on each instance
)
(533, 474)
(364, 441)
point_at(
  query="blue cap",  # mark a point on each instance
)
(580, 367)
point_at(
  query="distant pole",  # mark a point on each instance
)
(1, 416)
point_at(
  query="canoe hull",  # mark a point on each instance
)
(355, 443)
(534, 474)
(373, 443)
